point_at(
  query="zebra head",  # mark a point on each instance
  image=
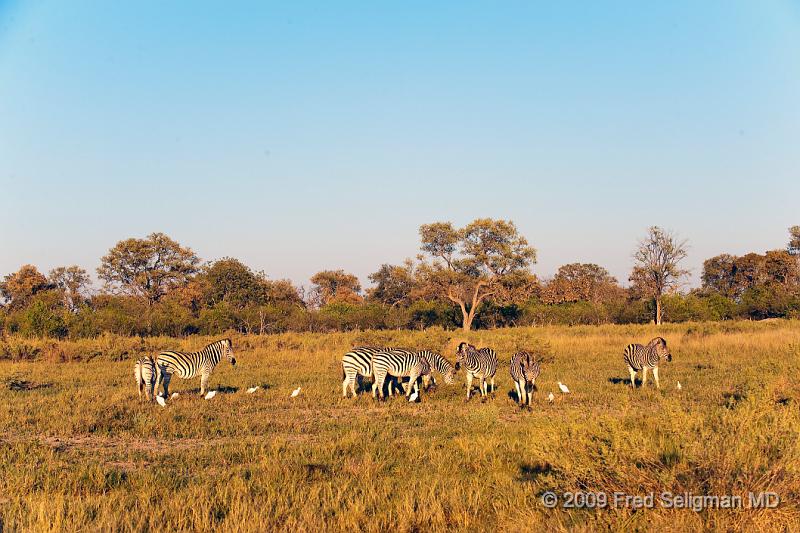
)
(660, 346)
(464, 348)
(227, 350)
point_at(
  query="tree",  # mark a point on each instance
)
(22, 285)
(486, 259)
(581, 282)
(656, 270)
(794, 241)
(72, 281)
(147, 267)
(229, 280)
(335, 286)
(394, 284)
(719, 275)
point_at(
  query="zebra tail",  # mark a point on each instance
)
(140, 377)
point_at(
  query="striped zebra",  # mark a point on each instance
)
(640, 357)
(481, 364)
(400, 364)
(357, 363)
(188, 365)
(524, 370)
(145, 374)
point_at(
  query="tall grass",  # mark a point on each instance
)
(79, 452)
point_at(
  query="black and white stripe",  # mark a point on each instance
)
(400, 364)
(481, 364)
(524, 370)
(357, 363)
(640, 357)
(145, 374)
(189, 364)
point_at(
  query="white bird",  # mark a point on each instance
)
(161, 401)
(211, 394)
(679, 386)
(251, 390)
(174, 395)
(413, 397)
(563, 388)
(295, 392)
(550, 397)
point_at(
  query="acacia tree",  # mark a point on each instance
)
(486, 259)
(72, 281)
(147, 267)
(335, 286)
(18, 288)
(394, 284)
(656, 270)
(581, 282)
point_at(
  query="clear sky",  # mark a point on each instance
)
(305, 136)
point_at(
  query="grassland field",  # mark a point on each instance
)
(80, 452)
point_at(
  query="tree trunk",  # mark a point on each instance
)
(658, 310)
(467, 322)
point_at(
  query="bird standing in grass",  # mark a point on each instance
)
(211, 394)
(251, 390)
(414, 396)
(174, 395)
(679, 386)
(563, 388)
(161, 401)
(295, 393)
(550, 397)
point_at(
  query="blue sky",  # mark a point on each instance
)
(304, 136)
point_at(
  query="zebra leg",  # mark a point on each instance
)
(633, 376)
(519, 394)
(469, 383)
(484, 388)
(644, 375)
(655, 376)
(492, 385)
(167, 377)
(345, 385)
(412, 383)
(203, 384)
(159, 378)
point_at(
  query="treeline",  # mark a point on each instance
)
(474, 277)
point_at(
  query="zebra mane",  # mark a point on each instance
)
(657, 340)
(218, 344)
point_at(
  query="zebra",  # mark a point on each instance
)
(478, 363)
(524, 370)
(399, 363)
(640, 357)
(188, 365)
(145, 374)
(358, 362)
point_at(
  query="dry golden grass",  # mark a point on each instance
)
(78, 451)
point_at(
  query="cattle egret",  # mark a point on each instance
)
(251, 390)
(211, 394)
(550, 397)
(295, 392)
(174, 395)
(161, 401)
(413, 397)
(563, 388)
(679, 386)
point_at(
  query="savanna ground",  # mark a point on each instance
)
(78, 451)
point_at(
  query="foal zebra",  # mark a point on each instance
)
(188, 365)
(524, 370)
(145, 373)
(400, 364)
(481, 364)
(640, 357)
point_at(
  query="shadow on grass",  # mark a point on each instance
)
(19, 385)
(621, 381)
(530, 472)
